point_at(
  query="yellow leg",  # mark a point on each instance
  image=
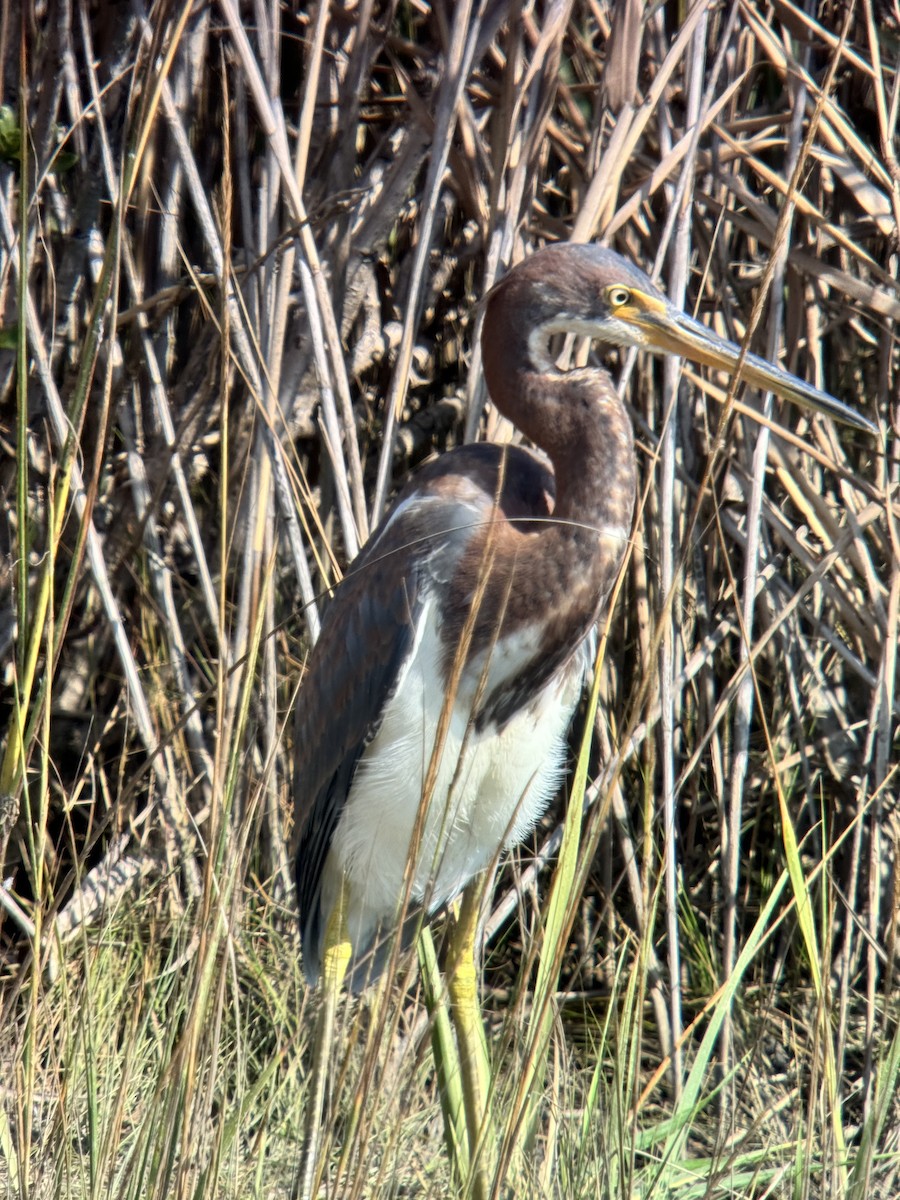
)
(334, 968)
(473, 1052)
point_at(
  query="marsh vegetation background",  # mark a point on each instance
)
(241, 253)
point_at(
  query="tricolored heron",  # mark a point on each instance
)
(430, 728)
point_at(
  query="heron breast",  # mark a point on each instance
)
(486, 787)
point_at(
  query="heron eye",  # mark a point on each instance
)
(617, 296)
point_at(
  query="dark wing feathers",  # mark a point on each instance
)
(366, 634)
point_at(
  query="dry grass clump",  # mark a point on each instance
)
(241, 254)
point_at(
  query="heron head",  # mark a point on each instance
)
(594, 292)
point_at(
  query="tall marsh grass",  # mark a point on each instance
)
(242, 250)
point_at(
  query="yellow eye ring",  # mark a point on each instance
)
(618, 296)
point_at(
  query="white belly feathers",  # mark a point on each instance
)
(489, 789)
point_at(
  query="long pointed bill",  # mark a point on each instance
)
(672, 331)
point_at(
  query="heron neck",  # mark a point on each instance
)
(550, 578)
(578, 420)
